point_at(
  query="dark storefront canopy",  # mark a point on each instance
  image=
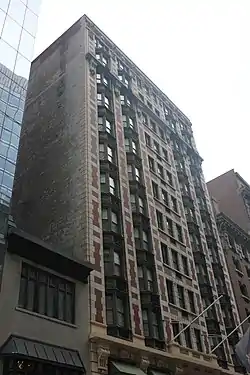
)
(34, 350)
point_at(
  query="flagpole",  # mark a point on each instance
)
(197, 317)
(235, 329)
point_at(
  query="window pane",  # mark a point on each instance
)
(11, 33)
(102, 178)
(114, 218)
(31, 294)
(51, 299)
(30, 22)
(61, 304)
(104, 214)
(34, 5)
(117, 258)
(69, 308)
(22, 292)
(8, 56)
(26, 45)
(22, 69)
(16, 11)
(2, 17)
(4, 5)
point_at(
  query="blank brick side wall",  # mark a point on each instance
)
(49, 199)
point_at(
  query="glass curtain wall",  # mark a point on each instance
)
(18, 26)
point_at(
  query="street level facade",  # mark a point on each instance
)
(18, 25)
(109, 173)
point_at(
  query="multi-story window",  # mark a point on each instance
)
(128, 122)
(105, 125)
(125, 100)
(139, 83)
(181, 297)
(179, 233)
(124, 77)
(243, 289)
(237, 264)
(146, 88)
(166, 112)
(147, 140)
(191, 301)
(145, 320)
(164, 195)
(174, 205)
(160, 171)
(175, 260)
(165, 253)
(144, 119)
(46, 294)
(188, 339)
(165, 154)
(169, 178)
(157, 112)
(185, 265)
(160, 222)
(108, 184)
(176, 330)
(150, 324)
(133, 173)
(110, 220)
(102, 58)
(156, 147)
(115, 310)
(137, 204)
(106, 152)
(197, 336)
(102, 79)
(161, 134)
(141, 239)
(155, 189)
(151, 164)
(170, 228)
(145, 276)
(248, 271)
(131, 146)
(112, 261)
(170, 291)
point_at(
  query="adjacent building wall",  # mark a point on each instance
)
(225, 189)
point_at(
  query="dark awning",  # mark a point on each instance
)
(26, 348)
(124, 368)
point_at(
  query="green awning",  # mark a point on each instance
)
(124, 368)
(170, 370)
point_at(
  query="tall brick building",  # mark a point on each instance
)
(108, 171)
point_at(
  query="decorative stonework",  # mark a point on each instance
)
(102, 359)
(144, 363)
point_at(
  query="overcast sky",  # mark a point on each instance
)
(196, 51)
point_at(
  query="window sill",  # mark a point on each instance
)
(53, 320)
(182, 309)
(239, 272)
(173, 238)
(245, 297)
(173, 269)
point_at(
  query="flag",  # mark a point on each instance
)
(242, 349)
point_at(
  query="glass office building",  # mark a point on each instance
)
(18, 25)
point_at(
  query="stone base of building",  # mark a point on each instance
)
(175, 359)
